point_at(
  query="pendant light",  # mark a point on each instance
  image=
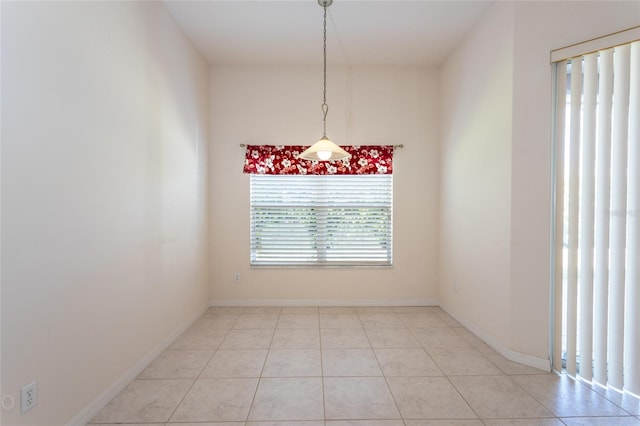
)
(324, 149)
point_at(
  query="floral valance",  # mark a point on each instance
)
(283, 160)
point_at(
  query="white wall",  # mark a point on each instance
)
(476, 176)
(521, 297)
(104, 222)
(564, 23)
(281, 105)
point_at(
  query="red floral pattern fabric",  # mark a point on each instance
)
(283, 160)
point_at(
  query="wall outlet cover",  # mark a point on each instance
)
(29, 396)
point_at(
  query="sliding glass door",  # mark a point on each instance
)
(597, 212)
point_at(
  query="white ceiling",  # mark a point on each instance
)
(392, 32)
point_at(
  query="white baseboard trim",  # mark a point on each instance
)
(531, 361)
(520, 358)
(324, 302)
(94, 407)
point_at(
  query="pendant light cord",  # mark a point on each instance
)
(325, 107)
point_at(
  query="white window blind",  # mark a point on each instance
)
(321, 220)
(597, 250)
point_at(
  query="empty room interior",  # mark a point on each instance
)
(177, 249)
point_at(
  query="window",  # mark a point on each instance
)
(321, 220)
(597, 220)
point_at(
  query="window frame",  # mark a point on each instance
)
(320, 207)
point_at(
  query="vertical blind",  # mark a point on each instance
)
(597, 216)
(321, 220)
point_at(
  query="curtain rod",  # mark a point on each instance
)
(242, 145)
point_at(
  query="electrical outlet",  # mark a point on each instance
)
(236, 278)
(29, 396)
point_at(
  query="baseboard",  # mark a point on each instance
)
(91, 410)
(324, 302)
(531, 361)
(520, 358)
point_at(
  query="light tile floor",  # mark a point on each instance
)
(347, 366)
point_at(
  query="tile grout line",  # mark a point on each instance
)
(533, 396)
(446, 376)
(204, 368)
(386, 381)
(264, 363)
(324, 399)
(422, 346)
(478, 350)
(192, 384)
(590, 388)
(194, 380)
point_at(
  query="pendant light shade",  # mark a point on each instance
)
(324, 149)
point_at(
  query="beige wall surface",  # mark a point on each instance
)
(281, 105)
(104, 222)
(539, 28)
(476, 176)
(510, 305)
(120, 222)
